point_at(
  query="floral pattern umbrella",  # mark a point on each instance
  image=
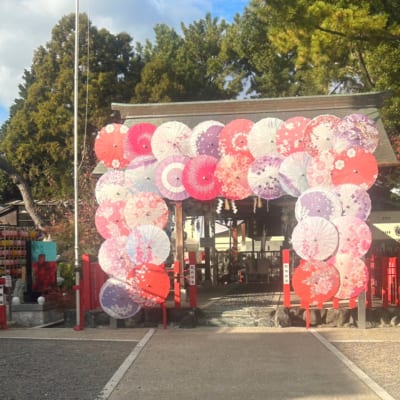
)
(263, 177)
(109, 146)
(113, 258)
(148, 244)
(146, 208)
(356, 130)
(290, 135)
(318, 133)
(140, 175)
(318, 169)
(109, 219)
(171, 138)
(138, 139)
(116, 301)
(315, 281)
(169, 178)
(262, 137)
(315, 238)
(152, 282)
(198, 178)
(354, 236)
(318, 202)
(355, 200)
(111, 186)
(233, 137)
(353, 276)
(231, 175)
(205, 139)
(293, 173)
(356, 166)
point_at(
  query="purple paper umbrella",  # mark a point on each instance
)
(205, 139)
(355, 200)
(318, 202)
(263, 177)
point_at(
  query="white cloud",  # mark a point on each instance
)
(26, 24)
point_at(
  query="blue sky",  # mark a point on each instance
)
(27, 24)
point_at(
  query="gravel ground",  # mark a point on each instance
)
(58, 369)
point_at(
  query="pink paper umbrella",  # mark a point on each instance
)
(198, 178)
(315, 281)
(140, 175)
(109, 219)
(290, 135)
(138, 139)
(354, 236)
(113, 258)
(356, 130)
(169, 178)
(109, 146)
(148, 244)
(356, 166)
(262, 137)
(116, 301)
(318, 133)
(353, 276)
(231, 174)
(315, 238)
(318, 202)
(205, 139)
(319, 169)
(293, 173)
(152, 282)
(111, 186)
(146, 208)
(355, 200)
(233, 137)
(171, 138)
(263, 177)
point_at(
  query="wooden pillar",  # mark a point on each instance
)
(179, 245)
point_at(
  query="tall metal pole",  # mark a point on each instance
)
(76, 197)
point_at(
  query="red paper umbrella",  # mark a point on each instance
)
(262, 137)
(169, 178)
(231, 173)
(233, 137)
(171, 138)
(318, 133)
(198, 178)
(315, 238)
(146, 208)
(113, 258)
(290, 135)
(109, 146)
(319, 168)
(152, 282)
(353, 275)
(355, 166)
(293, 173)
(354, 236)
(111, 186)
(109, 219)
(315, 281)
(138, 139)
(116, 301)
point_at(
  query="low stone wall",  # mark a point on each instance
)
(29, 315)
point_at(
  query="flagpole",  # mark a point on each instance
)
(76, 197)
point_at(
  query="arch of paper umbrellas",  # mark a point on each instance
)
(326, 162)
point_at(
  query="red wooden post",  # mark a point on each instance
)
(335, 303)
(3, 306)
(177, 285)
(86, 282)
(286, 277)
(192, 279)
(384, 272)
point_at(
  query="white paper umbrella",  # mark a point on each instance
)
(262, 137)
(148, 244)
(171, 138)
(293, 173)
(355, 200)
(111, 186)
(315, 238)
(319, 169)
